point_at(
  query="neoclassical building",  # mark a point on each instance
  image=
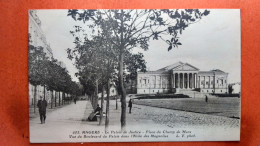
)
(181, 77)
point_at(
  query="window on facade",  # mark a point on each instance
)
(217, 81)
(144, 81)
(153, 90)
(220, 90)
(222, 82)
(144, 91)
(140, 81)
(207, 83)
(225, 81)
(207, 90)
(211, 82)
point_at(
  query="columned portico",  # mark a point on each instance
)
(181, 77)
(184, 80)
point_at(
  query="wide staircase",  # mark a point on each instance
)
(193, 94)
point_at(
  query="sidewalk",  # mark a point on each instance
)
(59, 123)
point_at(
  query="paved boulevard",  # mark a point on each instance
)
(62, 122)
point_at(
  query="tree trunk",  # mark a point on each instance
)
(121, 81)
(34, 100)
(102, 106)
(44, 92)
(123, 93)
(62, 101)
(55, 102)
(107, 106)
(116, 103)
(131, 87)
(96, 96)
(51, 97)
(59, 98)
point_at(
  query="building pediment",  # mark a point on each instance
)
(179, 66)
(185, 67)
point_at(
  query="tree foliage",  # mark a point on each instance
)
(46, 72)
(126, 29)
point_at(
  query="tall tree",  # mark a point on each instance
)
(134, 28)
(37, 68)
(134, 63)
(96, 62)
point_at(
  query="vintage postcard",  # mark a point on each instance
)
(134, 75)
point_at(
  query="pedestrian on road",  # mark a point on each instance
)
(42, 105)
(75, 100)
(206, 98)
(130, 105)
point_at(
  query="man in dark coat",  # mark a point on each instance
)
(206, 98)
(75, 99)
(42, 105)
(130, 105)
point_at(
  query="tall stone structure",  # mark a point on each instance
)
(181, 77)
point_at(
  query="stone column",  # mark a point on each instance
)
(199, 81)
(179, 78)
(209, 82)
(195, 80)
(161, 81)
(155, 86)
(204, 82)
(173, 80)
(188, 80)
(192, 81)
(182, 80)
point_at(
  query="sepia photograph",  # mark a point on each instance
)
(134, 75)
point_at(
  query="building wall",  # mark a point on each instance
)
(37, 36)
(38, 39)
(207, 81)
(153, 83)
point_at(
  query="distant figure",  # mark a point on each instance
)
(206, 98)
(130, 105)
(42, 105)
(75, 100)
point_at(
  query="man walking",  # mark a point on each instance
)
(75, 99)
(42, 104)
(130, 105)
(206, 98)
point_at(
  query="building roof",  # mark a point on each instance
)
(178, 66)
(171, 66)
(212, 72)
(154, 72)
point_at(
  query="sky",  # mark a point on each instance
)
(212, 43)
